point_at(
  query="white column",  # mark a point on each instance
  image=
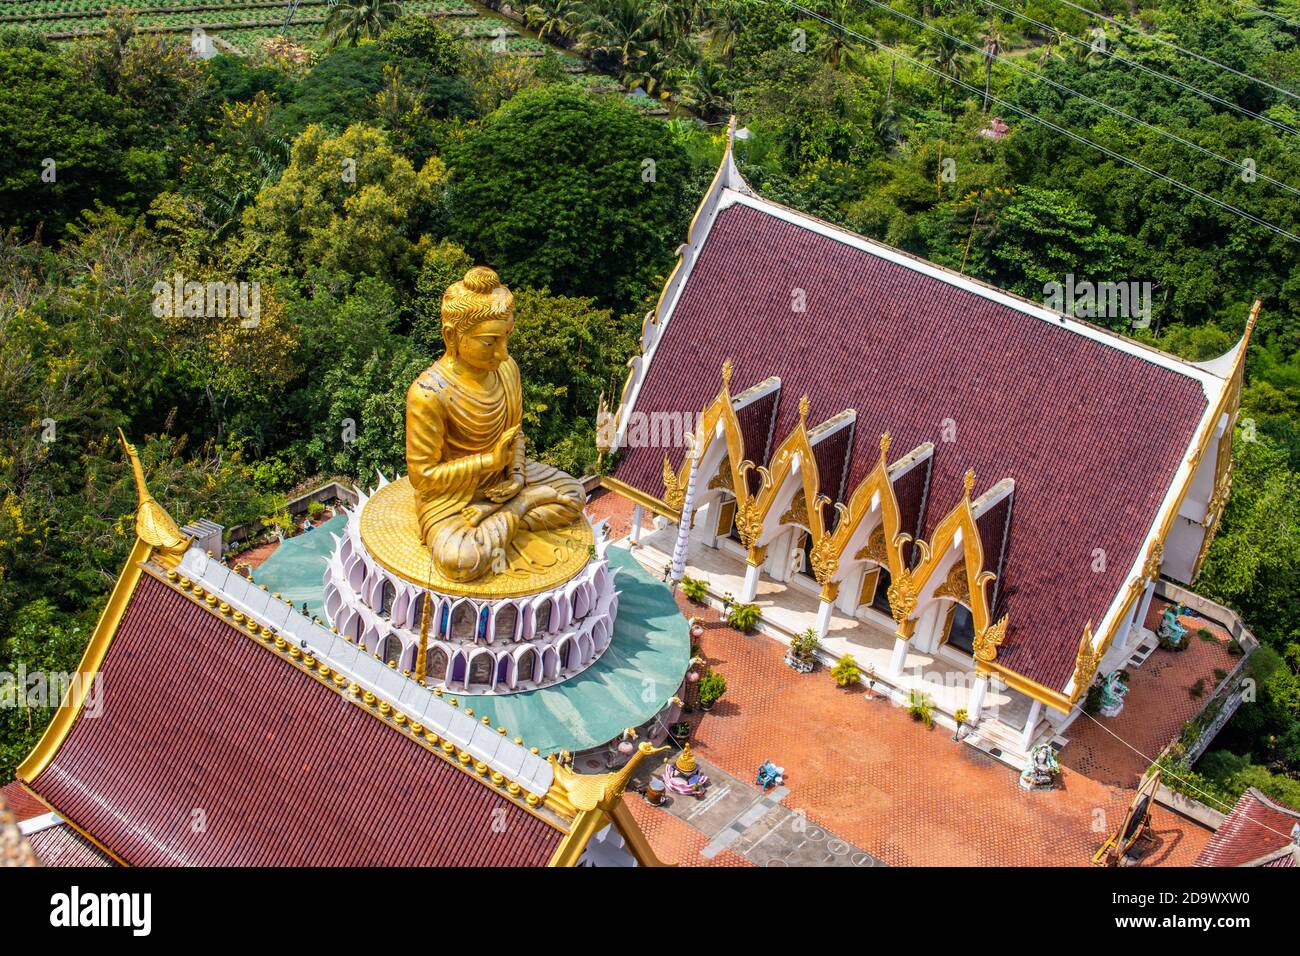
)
(824, 618)
(1145, 604)
(638, 512)
(750, 588)
(1027, 735)
(977, 699)
(899, 657)
(681, 546)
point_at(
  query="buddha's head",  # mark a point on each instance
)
(478, 314)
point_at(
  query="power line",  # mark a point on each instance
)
(1268, 13)
(1175, 46)
(1183, 780)
(1191, 190)
(1146, 69)
(1160, 131)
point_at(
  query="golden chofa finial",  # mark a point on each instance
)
(884, 445)
(968, 481)
(726, 374)
(803, 408)
(153, 525)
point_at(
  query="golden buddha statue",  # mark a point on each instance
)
(474, 489)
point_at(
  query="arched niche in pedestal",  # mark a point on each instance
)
(464, 620)
(507, 619)
(527, 663)
(480, 670)
(390, 649)
(438, 664)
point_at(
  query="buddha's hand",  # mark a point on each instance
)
(503, 455)
(503, 491)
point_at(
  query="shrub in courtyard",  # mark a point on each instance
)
(712, 687)
(846, 671)
(695, 589)
(920, 707)
(743, 617)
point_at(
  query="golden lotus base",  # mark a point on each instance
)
(538, 560)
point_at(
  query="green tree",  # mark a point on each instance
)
(346, 204)
(66, 145)
(562, 190)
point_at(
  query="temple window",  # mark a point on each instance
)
(959, 629)
(387, 596)
(880, 602)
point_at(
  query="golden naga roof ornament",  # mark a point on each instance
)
(153, 525)
(674, 493)
(1155, 557)
(726, 374)
(1086, 664)
(902, 594)
(989, 640)
(968, 481)
(598, 791)
(884, 446)
(804, 405)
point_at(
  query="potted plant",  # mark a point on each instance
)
(697, 629)
(695, 590)
(846, 671)
(961, 717)
(803, 650)
(743, 617)
(712, 687)
(920, 707)
(680, 730)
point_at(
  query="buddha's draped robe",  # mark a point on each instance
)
(453, 423)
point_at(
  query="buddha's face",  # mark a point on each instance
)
(483, 347)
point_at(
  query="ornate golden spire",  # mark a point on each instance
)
(968, 481)
(153, 525)
(726, 374)
(803, 409)
(884, 445)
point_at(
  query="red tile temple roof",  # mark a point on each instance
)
(1257, 827)
(1093, 435)
(213, 751)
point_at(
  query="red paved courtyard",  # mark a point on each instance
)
(868, 773)
(910, 796)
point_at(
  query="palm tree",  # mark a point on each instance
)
(553, 18)
(947, 57)
(992, 47)
(618, 31)
(701, 88)
(725, 22)
(353, 19)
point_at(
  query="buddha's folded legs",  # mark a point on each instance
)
(468, 545)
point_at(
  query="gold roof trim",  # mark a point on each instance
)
(153, 525)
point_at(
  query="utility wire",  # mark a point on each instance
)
(1175, 46)
(1183, 780)
(1034, 117)
(1268, 13)
(1146, 69)
(1160, 131)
